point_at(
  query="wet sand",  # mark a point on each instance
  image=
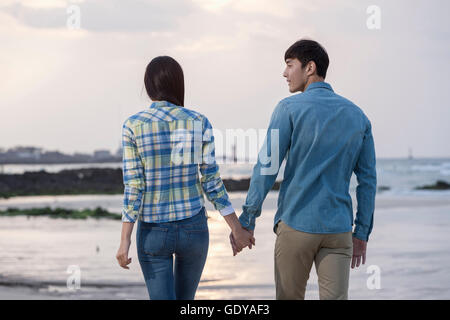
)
(409, 244)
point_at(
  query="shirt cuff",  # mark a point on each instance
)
(226, 211)
(247, 220)
(128, 218)
(360, 234)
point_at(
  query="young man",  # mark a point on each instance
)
(325, 138)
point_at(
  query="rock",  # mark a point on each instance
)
(439, 185)
(81, 181)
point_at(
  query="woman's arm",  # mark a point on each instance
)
(127, 229)
(125, 241)
(242, 237)
(215, 190)
(133, 178)
(211, 182)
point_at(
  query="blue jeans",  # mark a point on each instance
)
(158, 244)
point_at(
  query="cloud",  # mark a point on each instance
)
(39, 3)
(232, 55)
(212, 5)
(280, 9)
(103, 15)
(206, 45)
(267, 7)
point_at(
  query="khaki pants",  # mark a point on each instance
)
(295, 252)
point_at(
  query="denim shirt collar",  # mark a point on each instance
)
(319, 84)
(159, 104)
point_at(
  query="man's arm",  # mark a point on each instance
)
(366, 175)
(265, 171)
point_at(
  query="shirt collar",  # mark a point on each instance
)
(159, 104)
(319, 84)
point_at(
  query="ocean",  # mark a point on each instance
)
(400, 175)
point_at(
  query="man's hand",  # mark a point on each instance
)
(236, 248)
(359, 251)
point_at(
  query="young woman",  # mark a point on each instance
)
(164, 146)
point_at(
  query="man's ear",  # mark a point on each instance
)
(310, 68)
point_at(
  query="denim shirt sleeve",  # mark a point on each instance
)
(270, 157)
(365, 170)
(133, 177)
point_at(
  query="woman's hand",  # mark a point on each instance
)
(125, 241)
(122, 254)
(235, 247)
(242, 238)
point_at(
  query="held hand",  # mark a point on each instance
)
(239, 237)
(233, 245)
(122, 254)
(243, 238)
(253, 238)
(247, 235)
(359, 251)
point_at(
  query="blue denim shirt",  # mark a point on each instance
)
(324, 138)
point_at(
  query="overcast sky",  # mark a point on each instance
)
(71, 89)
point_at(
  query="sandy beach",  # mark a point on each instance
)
(409, 245)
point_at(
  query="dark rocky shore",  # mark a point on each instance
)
(439, 185)
(106, 181)
(97, 213)
(81, 181)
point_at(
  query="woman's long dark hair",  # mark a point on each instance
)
(164, 80)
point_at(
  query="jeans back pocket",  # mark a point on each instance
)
(198, 239)
(153, 240)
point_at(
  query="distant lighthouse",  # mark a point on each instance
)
(410, 155)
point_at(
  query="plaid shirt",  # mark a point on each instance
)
(163, 148)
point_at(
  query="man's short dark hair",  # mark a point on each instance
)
(309, 50)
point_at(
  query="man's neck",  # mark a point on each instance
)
(312, 80)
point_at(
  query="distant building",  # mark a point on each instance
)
(102, 154)
(81, 157)
(38, 155)
(119, 152)
(55, 157)
(27, 153)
